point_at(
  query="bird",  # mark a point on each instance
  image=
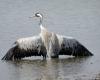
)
(47, 44)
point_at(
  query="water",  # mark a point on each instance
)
(79, 19)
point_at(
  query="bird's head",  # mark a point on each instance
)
(38, 15)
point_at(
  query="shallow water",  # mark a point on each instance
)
(79, 19)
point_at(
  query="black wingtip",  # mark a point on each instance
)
(91, 54)
(9, 55)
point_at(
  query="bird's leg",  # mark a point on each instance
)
(13, 58)
(44, 57)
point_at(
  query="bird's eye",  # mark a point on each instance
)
(37, 15)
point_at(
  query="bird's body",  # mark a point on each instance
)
(46, 36)
(46, 44)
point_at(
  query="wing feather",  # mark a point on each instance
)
(26, 47)
(70, 46)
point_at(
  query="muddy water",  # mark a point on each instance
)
(79, 19)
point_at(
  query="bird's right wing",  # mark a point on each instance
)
(70, 46)
(26, 47)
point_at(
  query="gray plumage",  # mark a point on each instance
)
(46, 44)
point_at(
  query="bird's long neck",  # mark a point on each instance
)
(41, 21)
(41, 25)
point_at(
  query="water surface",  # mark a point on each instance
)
(79, 19)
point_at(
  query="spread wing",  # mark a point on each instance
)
(70, 46)
(26, 47)
(34, 46)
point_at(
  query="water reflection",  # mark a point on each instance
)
(55, 69)
(79, 18)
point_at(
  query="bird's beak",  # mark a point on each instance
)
(31, 16)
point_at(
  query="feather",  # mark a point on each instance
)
(46, 44)
(70, 46)
(26, 47)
